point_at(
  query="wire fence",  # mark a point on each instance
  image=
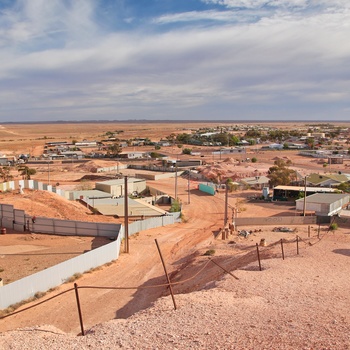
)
(262, 252)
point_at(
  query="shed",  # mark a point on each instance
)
(137, 208)
(116, 186)
(324, 204)
(293, 191)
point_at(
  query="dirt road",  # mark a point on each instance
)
(141, 267)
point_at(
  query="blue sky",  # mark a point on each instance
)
(174, 60)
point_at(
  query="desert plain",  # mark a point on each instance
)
(300, 302)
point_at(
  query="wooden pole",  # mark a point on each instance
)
(166, 274)
(226, 203)
(308, 231)
(282, 249)
(318, 231)
(188, 187)
(79, 309)
(126, 216)
(176, 180)
(297, 245)
(304, 212)
(257, 250)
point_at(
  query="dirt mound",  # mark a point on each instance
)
(92, 165)
(47, 204)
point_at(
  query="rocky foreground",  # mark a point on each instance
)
(301, 302)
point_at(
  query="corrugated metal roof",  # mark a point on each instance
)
(120, 181)
(326, 198)
(302, 188)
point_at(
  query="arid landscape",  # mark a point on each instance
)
(300, 302)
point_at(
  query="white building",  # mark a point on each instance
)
(324, 204)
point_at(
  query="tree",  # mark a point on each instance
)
(233, 140)
(280, 174)
(344, 187)
(5, 173)
(26, 172)
(115, 149)
(187, 151)
(171, 138)
(222, 138)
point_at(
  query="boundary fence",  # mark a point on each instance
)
(53, 276)
(277, 220)
(261, 252)
(18, 220)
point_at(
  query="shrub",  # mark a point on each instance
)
(175, 207)
(209, 252)
(333, 226)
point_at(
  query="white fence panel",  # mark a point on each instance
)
(147, 224)
(53, 276)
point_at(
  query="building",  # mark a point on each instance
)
(257, 182)
(132, 155)
(116, 187)
(291, 192)
(324, 204)
(330, 180)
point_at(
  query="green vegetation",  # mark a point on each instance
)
(280, 174)
(209, 252)
(175, 207)
(333, 226)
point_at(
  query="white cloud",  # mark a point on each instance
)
(55, 58)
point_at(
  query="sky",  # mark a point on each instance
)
(234, 60)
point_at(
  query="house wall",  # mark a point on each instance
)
(316, 207)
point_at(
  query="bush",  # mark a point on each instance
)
(209, 252)
(254, 160)
(333, 226)
(175, 207)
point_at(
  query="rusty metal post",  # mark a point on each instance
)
(79, 309)
(297, 245)
(166, 274)
(282, 248)
(257, 250)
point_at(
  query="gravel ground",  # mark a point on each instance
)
(301, 302)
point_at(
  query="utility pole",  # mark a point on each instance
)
(176, 181)
(226, 202)
(126, 216)
(48, 172)
(304, 211)
(188, 186)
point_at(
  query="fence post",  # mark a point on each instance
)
(282, 248)
(318, 231)
(166, 274)
(79, 309)
(308, 231)
(297, 245)
(257, 250)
